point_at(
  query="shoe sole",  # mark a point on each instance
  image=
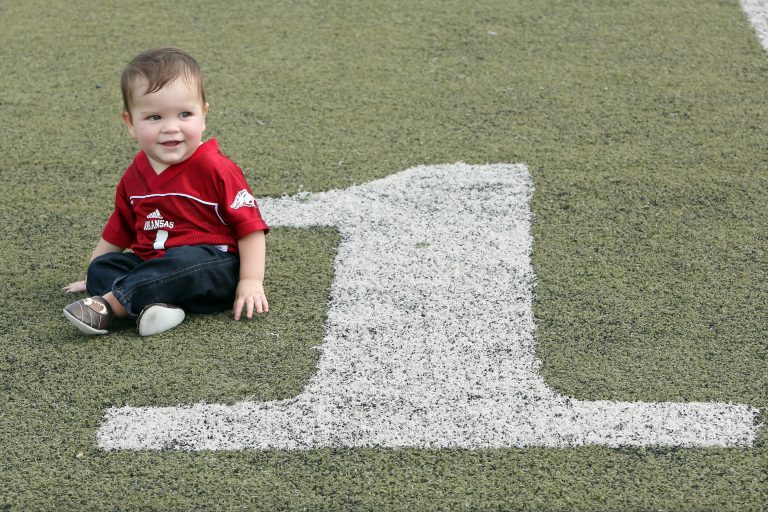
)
(87, 329)
(159, 318)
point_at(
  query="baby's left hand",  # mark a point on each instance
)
(250, 294)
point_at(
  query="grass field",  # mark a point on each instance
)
(642, 123)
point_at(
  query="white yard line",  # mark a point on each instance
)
(430, 338)
(757, 12)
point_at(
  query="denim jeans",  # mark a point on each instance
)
(199, 279)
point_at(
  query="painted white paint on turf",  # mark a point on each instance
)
(757, 12)
(430, 338)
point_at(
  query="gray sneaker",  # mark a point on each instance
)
(157, 318)
(91, 315)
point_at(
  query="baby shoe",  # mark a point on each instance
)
(157, 318)
(91, 315)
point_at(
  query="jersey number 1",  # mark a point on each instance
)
(160, 238)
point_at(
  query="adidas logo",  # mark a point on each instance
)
(155, 221)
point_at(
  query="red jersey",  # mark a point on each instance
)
(203, 200)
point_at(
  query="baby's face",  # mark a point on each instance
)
(169, 123)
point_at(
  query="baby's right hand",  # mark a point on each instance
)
(77, 286)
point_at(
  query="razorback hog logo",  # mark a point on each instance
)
(243, 198)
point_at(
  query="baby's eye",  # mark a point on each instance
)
(186, 114)
(154, 117)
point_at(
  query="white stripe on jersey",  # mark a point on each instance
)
(215, 205)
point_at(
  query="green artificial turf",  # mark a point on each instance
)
(644, 127)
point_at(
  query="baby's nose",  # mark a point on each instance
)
(171, 127)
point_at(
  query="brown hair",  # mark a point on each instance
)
(159, 67)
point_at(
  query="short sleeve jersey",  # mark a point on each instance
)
(204, 200)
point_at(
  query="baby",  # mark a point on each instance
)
(184, 209)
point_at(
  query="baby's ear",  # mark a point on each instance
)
(128, 120)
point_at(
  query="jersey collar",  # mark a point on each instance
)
(153, 179)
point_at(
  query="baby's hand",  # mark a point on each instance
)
(250, 294)
(77, 286)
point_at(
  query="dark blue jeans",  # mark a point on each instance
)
(199, 279)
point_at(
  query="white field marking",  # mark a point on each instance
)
(757, 12)
(430, 338)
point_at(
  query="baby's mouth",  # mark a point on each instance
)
(171, 143)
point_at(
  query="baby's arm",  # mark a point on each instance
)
(250, 289)
(102, 247)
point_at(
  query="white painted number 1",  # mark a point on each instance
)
(430, 338)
